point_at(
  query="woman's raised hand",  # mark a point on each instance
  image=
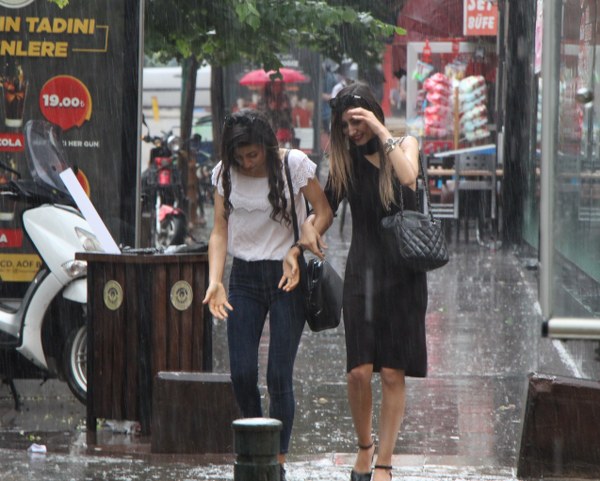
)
(359, 113)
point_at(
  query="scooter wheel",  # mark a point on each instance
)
(172, 231)
(75, 362)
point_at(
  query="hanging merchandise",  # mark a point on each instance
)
(472, 94)
(477, 134)
(438, 110)
(422, 71)
(456, 69)
(427, 52)
(455, 48)
(424, 68)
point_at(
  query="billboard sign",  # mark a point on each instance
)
(76, 67)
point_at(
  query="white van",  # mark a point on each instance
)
(164, 83)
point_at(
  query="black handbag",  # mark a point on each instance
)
(323, 297)
(322, 285)
(413, 239)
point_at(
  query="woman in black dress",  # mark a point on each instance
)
(384, 305)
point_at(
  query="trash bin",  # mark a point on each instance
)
(145, 315)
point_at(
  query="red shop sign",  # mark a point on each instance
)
(480, 18)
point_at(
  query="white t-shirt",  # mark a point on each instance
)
(252, 234)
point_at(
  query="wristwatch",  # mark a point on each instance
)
(390, 144)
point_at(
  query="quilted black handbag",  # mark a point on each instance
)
(322, 285)
(413, 239)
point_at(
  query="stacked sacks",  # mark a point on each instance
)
(437, 114)
(472, 94)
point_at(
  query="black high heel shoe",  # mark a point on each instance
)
(387, 468)
(354, 476)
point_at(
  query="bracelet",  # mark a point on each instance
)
(300, 248)
(390, 144)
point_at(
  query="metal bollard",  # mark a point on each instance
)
(256, 442)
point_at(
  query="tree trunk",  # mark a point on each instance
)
(217, 102)
(187, 160)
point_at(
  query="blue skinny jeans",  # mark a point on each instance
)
(253, 292)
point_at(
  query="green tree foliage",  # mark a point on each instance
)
(230, 31)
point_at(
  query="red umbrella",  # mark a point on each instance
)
(261, 77)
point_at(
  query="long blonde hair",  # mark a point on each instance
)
(342, 150)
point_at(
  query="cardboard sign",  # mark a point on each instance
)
(480, 18)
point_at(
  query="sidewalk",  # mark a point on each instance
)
(462, 422)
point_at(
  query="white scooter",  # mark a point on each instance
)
(43, 333)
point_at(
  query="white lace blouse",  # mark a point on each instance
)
(252, 234)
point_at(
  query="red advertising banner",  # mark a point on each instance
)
(11, 238)
(77, 68)
(11, 142)
(480, 17)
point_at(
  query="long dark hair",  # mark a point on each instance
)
(357, 94)
(250, 127)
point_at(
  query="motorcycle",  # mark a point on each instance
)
(162, 191)
(43, 331)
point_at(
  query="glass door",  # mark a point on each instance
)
(570, 170)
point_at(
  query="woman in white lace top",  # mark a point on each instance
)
(253, 224)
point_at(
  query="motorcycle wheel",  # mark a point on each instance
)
(172, 232)
(75, 362)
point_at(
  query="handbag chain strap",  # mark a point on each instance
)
(288, 177)
(423, 176)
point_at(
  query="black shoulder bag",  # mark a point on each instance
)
(413, 239)
(322, 286)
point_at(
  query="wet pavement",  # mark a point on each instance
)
(463, 422)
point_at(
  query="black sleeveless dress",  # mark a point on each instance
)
(384, 306)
